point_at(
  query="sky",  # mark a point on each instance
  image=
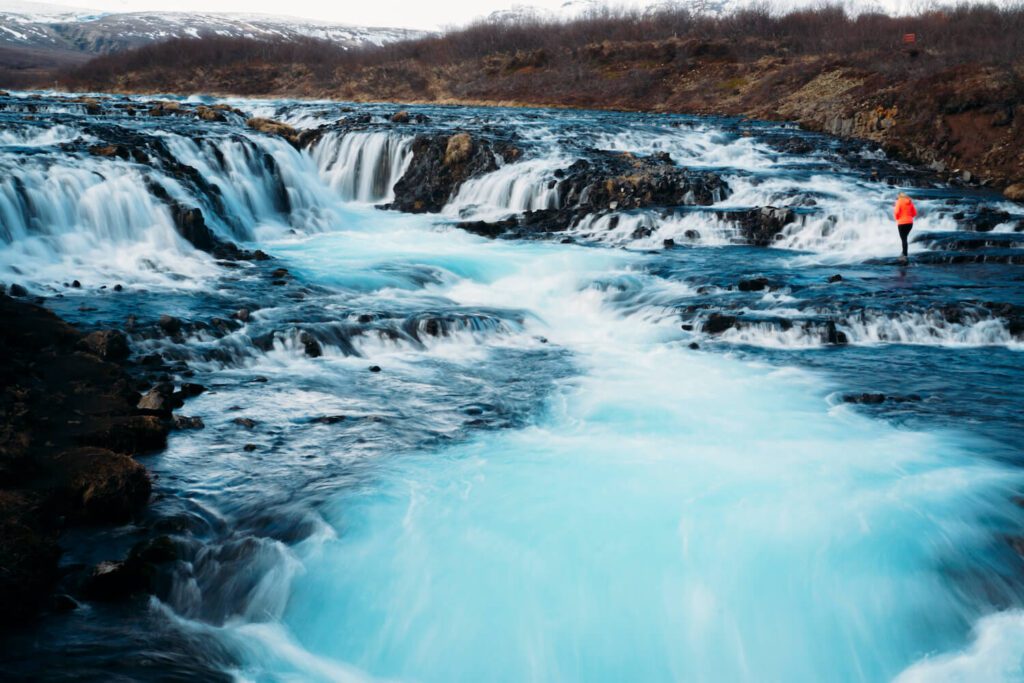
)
(425, 14)
(421, 14)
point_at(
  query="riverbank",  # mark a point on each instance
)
(72, 422)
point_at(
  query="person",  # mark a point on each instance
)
(904, 213)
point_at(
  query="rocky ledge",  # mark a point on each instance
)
(70, 426)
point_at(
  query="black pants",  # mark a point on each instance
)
(904, 232)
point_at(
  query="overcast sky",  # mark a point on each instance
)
(424, 14)
(430, 14)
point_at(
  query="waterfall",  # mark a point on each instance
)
(522, 186)
(363, 166)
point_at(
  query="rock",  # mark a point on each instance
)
(1015, 192)
(76, 284)
(118, 288)
(374, 368)
(310, 345)
(835, 278)
(439, 166)
(400, 117)
(111, 581)
(866, 398)
(185, 422)
(243, 314)
(17, 290)
(668, 243)
(762, 226)
(132, 434)
(271, 127)
(833, 335)
(985, 219)
(108, 345)
(249, 447)
(169, 324)
(158, 401)
(329, 419)
(190, 390)
(756, 284)
(210, 114)
(694, 345)
(718, 323)
(279, 273)
(64, 603)
(101, 485)
(246, 422)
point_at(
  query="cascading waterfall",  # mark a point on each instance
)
(513, 188)
(363, 166)
(433, 456)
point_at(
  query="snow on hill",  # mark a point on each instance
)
(43, 26)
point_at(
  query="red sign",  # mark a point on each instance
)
(909, 37)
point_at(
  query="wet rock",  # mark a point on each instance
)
(717, 323)
(158, 400)
(756, 284)
(17, 290)
(136, 574)
(400, 117)
(108, 345)
(271, 127)
(833, 335)
(186, 422)
(694, 346)
(310, 345)
(1015, 192)
(866, 398)
(132, 434)
(279, 273)
(375, 368)
(835, 278)
(243, 314)
(118, 288)
(246, 422)
(329, 419)
(985, 219)
(249, 447)
(190, 390)
(169, 324)
(76, 284)
(100, 485)
(762, 226)
(668, 243)
(439, 166)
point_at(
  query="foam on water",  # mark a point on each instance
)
(673, 516)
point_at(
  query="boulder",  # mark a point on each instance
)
(169, 324)
(271, 127)
(400, 117)
(108, 345)
(246, 422)
(1015, 192)
(756, 284)
(310, 345)
(761, 226)
(158, 400)
(100, 485)
(17, 290)
(185, 422)
(717, 323)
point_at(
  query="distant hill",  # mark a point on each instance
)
(36, 37)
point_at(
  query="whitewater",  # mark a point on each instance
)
(554, 472)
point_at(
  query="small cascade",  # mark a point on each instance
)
(363, 166)
(513, 188)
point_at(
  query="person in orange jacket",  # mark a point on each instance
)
(904, 213)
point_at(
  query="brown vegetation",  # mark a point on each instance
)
(953, 99)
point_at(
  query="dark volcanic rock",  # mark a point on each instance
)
(439, 166)
(68, 430)
(717, 323)
(762, 226)
(756, 284)
(109, 345)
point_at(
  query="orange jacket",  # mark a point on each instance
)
(904, 211)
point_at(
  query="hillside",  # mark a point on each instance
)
(36, 38)
(953, 99)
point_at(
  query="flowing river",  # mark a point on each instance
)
(433, 456)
